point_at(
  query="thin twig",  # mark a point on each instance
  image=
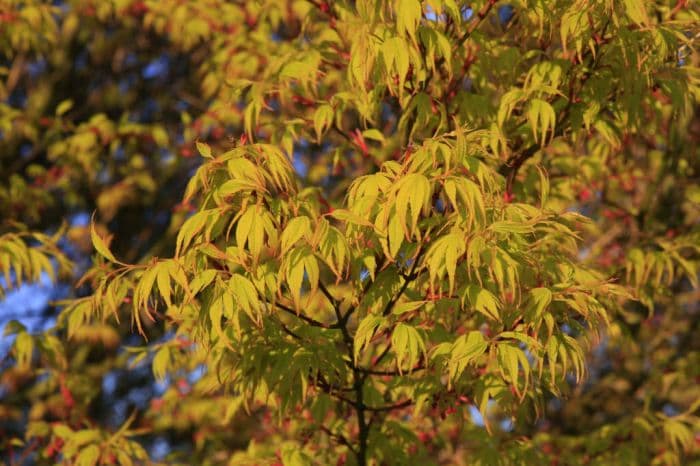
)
(480, 16)
(340, 438)
(396, 372)
(407, 279)
(400, 405)
(299, 315)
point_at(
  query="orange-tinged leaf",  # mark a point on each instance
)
(100, 244)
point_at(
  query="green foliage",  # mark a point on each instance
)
(25, 256)
(497, 213)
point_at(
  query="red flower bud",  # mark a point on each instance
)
(359, 140)
(138, 8)
(66, 395)
(585, 195)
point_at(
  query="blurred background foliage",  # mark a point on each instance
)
(101, 102)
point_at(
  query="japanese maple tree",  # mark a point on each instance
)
(412, 232)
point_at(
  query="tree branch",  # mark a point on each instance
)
(480, 16)
(290, 332)
(339, 438)
(335, 304)
(299, 315)
(514, 163)
(518, 162)
(400, 405)
(327, 387)
(417, 367)
(408, 278)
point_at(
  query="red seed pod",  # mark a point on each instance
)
(197, 126)
(157, 404)
(509, 297)
(359, 140)
(67, 396)
(55, 173)
(54, 447)
(138, 8)
(585, 195)
(250, 21)
(183, 385)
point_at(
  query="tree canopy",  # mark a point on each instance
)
(359, 232)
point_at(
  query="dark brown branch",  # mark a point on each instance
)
(340, 131)
(290, 332)
(327, 294)
(480, 16)
(382, 355)
(332, 391)
(365, 289)
(400, 405)
(473, 25)
(347, 338)
(518, 162)
(395, 372)
(299, 315)
(339, 438)
(326, 386)
(407, 279)
(514, 164)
